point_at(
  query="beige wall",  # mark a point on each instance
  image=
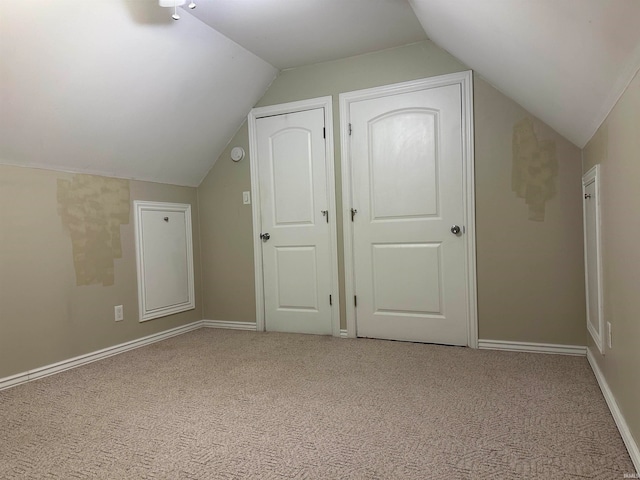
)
(227, 241)
(45, 317)
(615, 147)
(530, 273)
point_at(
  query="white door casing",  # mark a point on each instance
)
(408, 172)
(293, 187)
(592, 256)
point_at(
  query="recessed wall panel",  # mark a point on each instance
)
(164, 254)
(297, 278)
(292, 177)
(407, 278)
(165, 273)
(404, 164)
(591, 233)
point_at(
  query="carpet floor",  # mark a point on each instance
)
(219, 404)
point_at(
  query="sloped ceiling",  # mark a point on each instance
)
(292, 33)
(115, 87)
(119, 88)
(566, 61)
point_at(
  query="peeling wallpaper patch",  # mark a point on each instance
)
(93, 208)
(534, 169)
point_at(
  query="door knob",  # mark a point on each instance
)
(265, 237)
(455, 229)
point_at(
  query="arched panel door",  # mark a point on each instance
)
(296, 235)
(407, 187)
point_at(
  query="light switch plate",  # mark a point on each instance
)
(246, 198)
(119, 313)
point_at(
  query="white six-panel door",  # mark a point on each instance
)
(294, 203)
(406, 158)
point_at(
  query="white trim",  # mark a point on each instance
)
(621, 423)
(344, 333)
(14, 380)
(577, 350)
(94, 356)
(292, 107)
(250, 326)
(256, 221)
(465, 80)
(144, 312)
(347, 225)
(468, 142)
(593, 176)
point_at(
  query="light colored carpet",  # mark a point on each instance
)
(227, 404)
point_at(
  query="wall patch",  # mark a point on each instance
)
(93, 208)
(534, 169)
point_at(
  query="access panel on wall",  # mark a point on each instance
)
(164, 250)
(593, 257)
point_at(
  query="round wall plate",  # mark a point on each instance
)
(237, 154)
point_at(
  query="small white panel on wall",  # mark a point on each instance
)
(164, 251)
(593, 256)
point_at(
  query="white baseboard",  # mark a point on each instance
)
(94, 356)
(14, 380)
(229, 325)
(621, 423)
(532, 347)
(344, 334)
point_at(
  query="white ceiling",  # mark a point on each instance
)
(116, 87)
(292, 33)
(565, 61)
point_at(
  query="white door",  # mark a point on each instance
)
(407, 186)
(592, 257)
(294, 208)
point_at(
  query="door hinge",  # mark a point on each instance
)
(350, 129)
(353, 213)
(324, 132)
(355, 300)
(330, 301)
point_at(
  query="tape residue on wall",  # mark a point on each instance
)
(93, 208)
(534, 168)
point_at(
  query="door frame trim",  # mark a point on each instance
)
(281, 109)
(465, 81)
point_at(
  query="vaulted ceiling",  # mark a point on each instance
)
(565, 61)
(116, 87)
(292, 33)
